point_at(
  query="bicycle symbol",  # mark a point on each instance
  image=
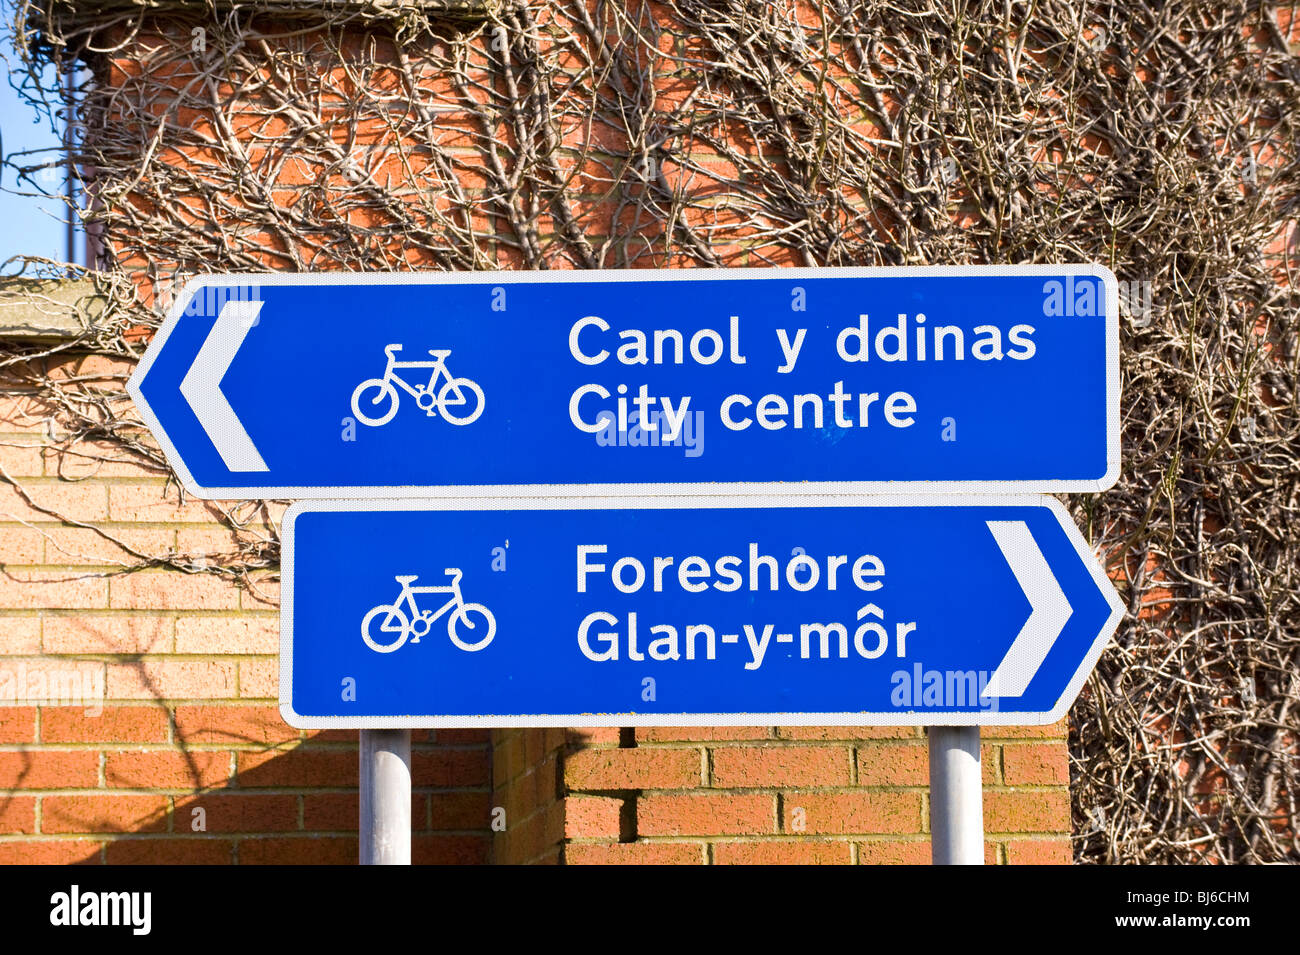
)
(467, 620)
(453, 398)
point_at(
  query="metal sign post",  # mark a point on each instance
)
(385, 797)
(956, 796)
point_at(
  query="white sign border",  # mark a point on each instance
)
(408, 492)
(892, 718)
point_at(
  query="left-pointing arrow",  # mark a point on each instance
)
(202, 387)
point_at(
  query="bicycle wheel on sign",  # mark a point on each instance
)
(391, 613)
(474, 620)
(384, 391)
(460, 401)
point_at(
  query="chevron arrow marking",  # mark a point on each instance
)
(202, 387)
(1049, 613)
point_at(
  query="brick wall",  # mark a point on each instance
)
(174, 680)
(532, 816)
(801, 795)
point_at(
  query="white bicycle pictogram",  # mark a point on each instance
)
(460, 400)
(466, 621)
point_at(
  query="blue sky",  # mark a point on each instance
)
(29, 225)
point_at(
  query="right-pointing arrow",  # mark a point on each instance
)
(202, 387)
(1048, 615)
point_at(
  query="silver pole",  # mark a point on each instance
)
(385, 797)
(956, 796)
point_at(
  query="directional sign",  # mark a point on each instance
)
(938, 610)
(782, 381)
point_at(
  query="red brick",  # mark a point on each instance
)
(79, 545)
(54, 681)
(894, 853)
(301, 850)
(114, 724)
(634, 853)
(523, 840)
(21, 545)
(54, 500)
(450, 850)
(460, 810)
(1057, 730)
(451, 767)
(50, 852)
(20, 636)
(698, 734)
(588, 817)
(19, 412)
(49, 769)
(298, 767)
(18, 724)
(508, 757)
(172, 680)
(1035, 764)
(348, 736)
(829, 733)
(1040, 852)
(245, 634)
(253, 725)
(259, 678)
(22, 460)
(237, 812)
(594, 735)
(116, 634)
(679, 814)
(166, 590)
(780, 766)
(603, 769)
(782, 853)
(214, 539)
(893, 765)
(262, 593)
(98, 814)
(103, 370)
(990, 764)
(167, 769)
(152, 503)
(17, 813)
(464, 737)
(51, 589)
(1027, 810)
(192, 851)
(100, 459)
(853, 812)
(340, 812)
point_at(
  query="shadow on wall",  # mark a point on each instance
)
(239, 787)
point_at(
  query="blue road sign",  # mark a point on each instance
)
(565, 612)
(772, 381)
